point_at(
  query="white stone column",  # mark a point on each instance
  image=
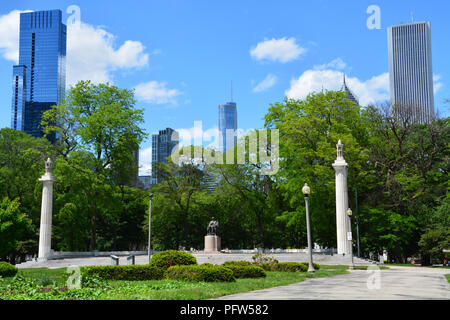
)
(342, 219)
(45, 232)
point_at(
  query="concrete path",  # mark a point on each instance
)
(219, 258)
(397, 283)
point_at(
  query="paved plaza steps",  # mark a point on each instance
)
(215, 258)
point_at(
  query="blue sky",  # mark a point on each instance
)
(182, 55)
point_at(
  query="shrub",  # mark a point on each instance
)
(237, 263)
(200, 273)
(269, 266)
(207, 264)
(170, 258)
(247, 272)
(7, 269)
(130, 272)
(263, 258)
(316, 266)
(291, 267)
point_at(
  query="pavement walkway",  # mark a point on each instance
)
(396, 283)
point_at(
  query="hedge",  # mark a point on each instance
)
(200, 273)
(315, 265)
(7, 270)
(169, 258)
(242, 263)
(247, 271)
(291, 267)
(129, 272)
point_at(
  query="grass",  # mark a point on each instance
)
(448, 277)
(365, 267)
(415, 265)
(175, 290)
(161, 289)
(43, 276)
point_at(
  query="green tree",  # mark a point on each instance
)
(309, 130)
(100, 129)
(13, 224)
(22, 158)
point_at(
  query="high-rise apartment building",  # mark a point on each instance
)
(162, 146)
(227, 126)
(39, 79)
(410, 71)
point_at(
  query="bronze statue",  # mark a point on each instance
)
(213, 228)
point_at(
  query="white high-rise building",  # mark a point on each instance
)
(410, 71)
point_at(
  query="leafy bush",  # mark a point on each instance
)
(237, 263)
(169, 258)
(269, 266)
(315, 265)
(262, 258)
(291, 267)
(130, 272)
(7, 270)
(200, 273)
(247, 271)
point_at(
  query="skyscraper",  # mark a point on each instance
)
(162, 145)
(227, 126)
(39, 79)
(349, 92)
(410, 71)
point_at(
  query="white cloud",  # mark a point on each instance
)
(145, 161)
(156, 92)
(91, 51)
(91, 54)
(268, 82)
(371, 91)
(337, 64)
(282, 50)
(9, 35)
(437, 84)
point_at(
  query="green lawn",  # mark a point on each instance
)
(448, 277)
(45, 284)
(415, 265)
(365, 267)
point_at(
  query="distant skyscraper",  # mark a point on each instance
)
(350, 94)
(162, 145)
(410, 71)
(227, 122)
(39, 79)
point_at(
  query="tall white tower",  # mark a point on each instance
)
(410, 71)
(45, 232)
(342, 219)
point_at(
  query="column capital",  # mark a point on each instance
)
(47, 177)
(339, 163)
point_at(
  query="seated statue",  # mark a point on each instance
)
(213, 228)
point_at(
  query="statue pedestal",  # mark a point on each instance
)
(212, 244)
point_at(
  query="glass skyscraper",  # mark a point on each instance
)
(162, 146)
(410, 71)
(39, 80)
(227, 126)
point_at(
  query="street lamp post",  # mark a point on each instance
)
(357, 220)
(306, 191)
(149, 226)
(349, 213)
